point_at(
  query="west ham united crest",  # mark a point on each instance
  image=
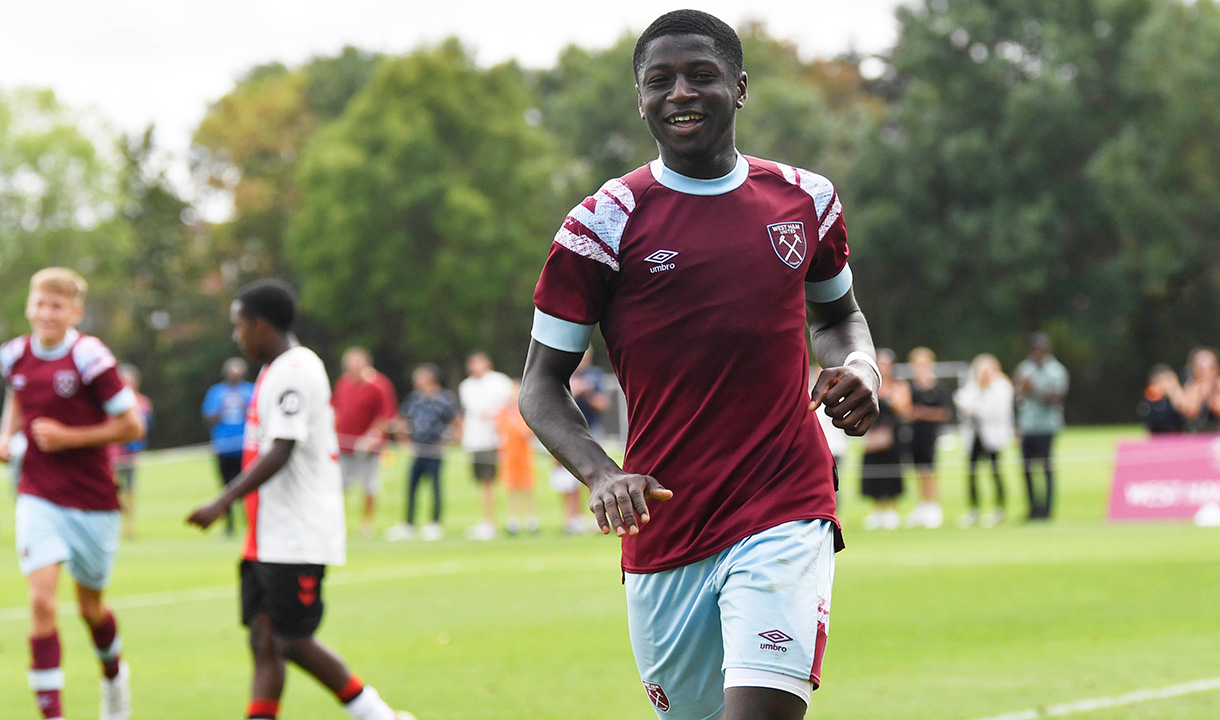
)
(65, 383)
(788, 239)
(657, 695)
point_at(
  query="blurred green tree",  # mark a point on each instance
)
(60, 198)
(248, 146)
(999, 197)
(426, 212)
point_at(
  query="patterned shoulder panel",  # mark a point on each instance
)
(11, 352)
(819, 189)
(594, 228)
(91, 357)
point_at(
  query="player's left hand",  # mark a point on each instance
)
(50, 435)
(205, 515)
(849, 393)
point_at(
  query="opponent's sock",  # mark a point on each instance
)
(263, 709)
(106, 644)
(46, 679)
(363, 703)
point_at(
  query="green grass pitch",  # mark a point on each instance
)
(945, 624)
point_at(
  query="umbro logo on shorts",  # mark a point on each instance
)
(775, 640)
(657, 695)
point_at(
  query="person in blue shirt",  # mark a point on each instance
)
(224, 409)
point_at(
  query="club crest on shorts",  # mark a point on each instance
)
(788, 241)
(65, 383)
(657, 695)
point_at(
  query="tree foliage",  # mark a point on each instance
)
(426, 211)
(1000, 196)
(59, 200)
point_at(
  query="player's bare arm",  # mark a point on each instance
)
(618, 499)
(260, 472)
(848, 391)
(53, 436)
(9, 422)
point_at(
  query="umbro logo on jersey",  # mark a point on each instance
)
(661, 260)
(788, 241)
(775, 640)
(18, 382)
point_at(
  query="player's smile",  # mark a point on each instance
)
(688, 96)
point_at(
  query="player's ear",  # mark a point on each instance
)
(741, 90)
(639, 101)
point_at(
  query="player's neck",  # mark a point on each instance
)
(708, 167)
(278, 346)
(55, 342)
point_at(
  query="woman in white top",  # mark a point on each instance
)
(986, 406)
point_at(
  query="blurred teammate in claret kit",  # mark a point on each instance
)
(294, 508)
(701, 268)
(65, 394)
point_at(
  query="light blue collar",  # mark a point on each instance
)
(56, 352)
(698, 186)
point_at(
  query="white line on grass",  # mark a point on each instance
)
(220, 592)
(1130, 698)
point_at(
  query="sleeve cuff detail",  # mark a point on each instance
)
(825, 291)
(560, 334)
(122, 401)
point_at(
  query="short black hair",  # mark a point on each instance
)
(272, 300)
(1040, 340)
(692, 22)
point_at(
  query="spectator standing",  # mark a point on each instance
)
(1199, 401)
(427, 414)
(1158, 408)
(881, 472)
(365, 403)
(588, 390)
(985, 403)
(517, 466)
(483, 395)
(224, 409)
(126, 454)
(931, 408)
(1041, 384)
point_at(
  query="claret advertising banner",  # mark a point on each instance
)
(1165, 477)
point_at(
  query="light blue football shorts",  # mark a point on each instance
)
(754, 615)
(86, 540)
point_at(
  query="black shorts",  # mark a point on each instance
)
(484, 463)
(290, 594)
(230, 467)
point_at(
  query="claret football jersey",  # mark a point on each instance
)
(297, 515)
(75, 383)
(699, 287)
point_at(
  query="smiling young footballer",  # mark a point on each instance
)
(65, 394)
(701, 268)
(294, 508)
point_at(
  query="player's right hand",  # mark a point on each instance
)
(205, 515)
(619, 501)
(6, 453)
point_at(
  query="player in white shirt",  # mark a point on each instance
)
(294, 507)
